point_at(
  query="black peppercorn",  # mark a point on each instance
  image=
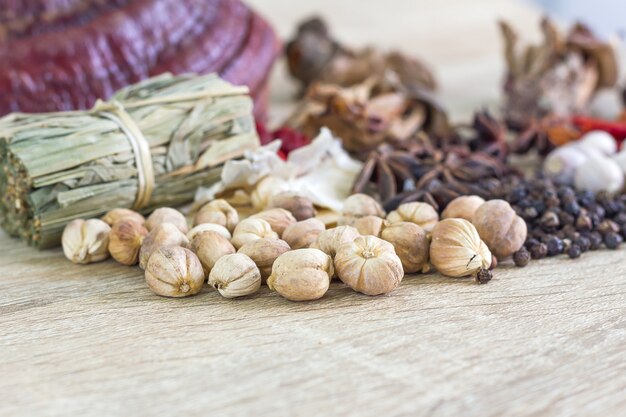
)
(483, 276)
(531, 242)
(566, 194)
(530, 213)
(538, 251)
(549, 221)
(586, 198)
(583, 243)
(583, 222)
(620, 219)
(608, 226)
(554, 245)
(574, 251)
(565, 218)
(572, 208)
(516, 194)
(521, 257)
(595, 239)
(612, 240)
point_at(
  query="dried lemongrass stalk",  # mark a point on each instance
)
(57, 167)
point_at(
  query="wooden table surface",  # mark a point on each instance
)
(545, 340)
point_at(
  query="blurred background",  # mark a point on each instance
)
(460, 39)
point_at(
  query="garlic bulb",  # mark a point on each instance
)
(562, 163)
(599, 173)
(86, 241)
(456, 249)
(598, 141)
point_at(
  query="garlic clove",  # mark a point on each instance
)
(410, 243)
(264, 252)
(164, 234)
(369, 265)
(422, 214)
(252, 229)
(265, 189)
(208, 227)
(209, 247)
(370, 225)
(167, 215)
(125, 240)
(219, 212)
(301, 207)
(303, 233)
(235, 275)
(357, 206)
(499, 226)
(301, 274)
(329, 241)
(173, 271)
(278, 219)
(115, 215)
(599, 173)
(86, 241)
(456, 249)
(462, 207)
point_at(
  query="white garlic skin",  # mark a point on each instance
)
(456, 249)
(86, 241)
(598, 141)
(599, 173)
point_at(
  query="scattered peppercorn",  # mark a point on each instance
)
(574, 251)
(596, 240)
(538, 251)
(612, 240)
(521, 257)
(583, 243)
(554, 246)
(483, 276)
(608, 226)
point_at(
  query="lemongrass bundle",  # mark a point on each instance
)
(153, 144)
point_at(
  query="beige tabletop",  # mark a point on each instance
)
(545, 340)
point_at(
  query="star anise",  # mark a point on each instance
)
(423, 172)
(544, 135)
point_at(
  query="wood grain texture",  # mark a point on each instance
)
(545, 340)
